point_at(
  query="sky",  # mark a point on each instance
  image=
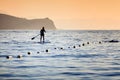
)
(68, 14)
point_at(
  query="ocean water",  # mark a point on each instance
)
(67, 58)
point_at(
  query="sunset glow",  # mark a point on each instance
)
(68, 14)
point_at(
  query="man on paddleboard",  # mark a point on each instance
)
(42, 31)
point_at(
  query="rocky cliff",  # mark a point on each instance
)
(11, 22)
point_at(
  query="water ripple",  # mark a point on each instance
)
(77, 73)
(110, 74)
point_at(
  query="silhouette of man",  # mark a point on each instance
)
(42, 31)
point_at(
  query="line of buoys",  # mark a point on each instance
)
(29, 53)
(61, 48)
(80, 45)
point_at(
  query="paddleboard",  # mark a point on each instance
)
(44, 42)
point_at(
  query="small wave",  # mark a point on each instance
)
(3, 55)
(19, 61)
(57, 66)
(115, 63)
(76, 73)
(12, 75)
(18, 42)
(60, 56)
(110, 74)
(89, 55)
(71, 67)
(71, 55)
(4, 42)
(26, 67)
(115, 68)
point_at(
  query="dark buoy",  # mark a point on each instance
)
(55, 48)
(38, 52)
(88, 43)
(29, 53)
(46, 50)
(61, 48)
(100, 42)
(8, 57)
(83, 44)
(73, 46)
(79, 45)
(68, 47)
(19, 56)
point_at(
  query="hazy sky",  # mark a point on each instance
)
(68, 14)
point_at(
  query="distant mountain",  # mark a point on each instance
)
(11, 22)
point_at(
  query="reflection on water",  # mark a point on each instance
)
(63, 61)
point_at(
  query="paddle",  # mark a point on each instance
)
(35, 37)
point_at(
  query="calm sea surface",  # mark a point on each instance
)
(69, 57)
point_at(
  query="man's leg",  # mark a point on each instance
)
(40, 38)
(43, 39)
